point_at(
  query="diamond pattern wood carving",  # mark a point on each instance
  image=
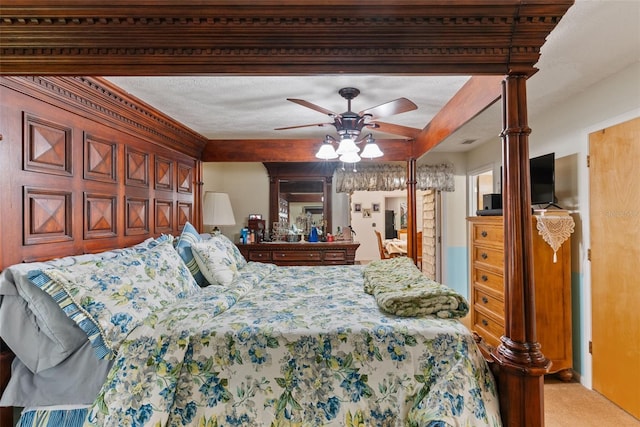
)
(47, 216)
(47, 147)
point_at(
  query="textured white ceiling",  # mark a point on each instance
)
(595, 39)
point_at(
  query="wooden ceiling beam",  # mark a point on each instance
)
(289, 150)
(474, 97)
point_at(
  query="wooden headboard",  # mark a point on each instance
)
(91, 169)
(86, 168)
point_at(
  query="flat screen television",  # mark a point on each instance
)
(542, 179)
(542, 174)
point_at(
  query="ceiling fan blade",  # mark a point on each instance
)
(304, 126)
(397, 106)
(396, 129)
(312, 106)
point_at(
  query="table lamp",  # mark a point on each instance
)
(216, 210)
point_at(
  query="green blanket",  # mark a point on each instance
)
(401, 289)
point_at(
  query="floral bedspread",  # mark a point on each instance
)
(303, 347)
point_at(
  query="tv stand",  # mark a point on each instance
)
(552, 204)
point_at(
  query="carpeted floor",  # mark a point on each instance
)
(572, 405)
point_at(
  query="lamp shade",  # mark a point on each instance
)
(216, 209)
(349, 158)
(326, 152)
(371, 151)
(347, 145)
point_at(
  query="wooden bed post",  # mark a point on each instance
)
(412, 244)
(521, 363)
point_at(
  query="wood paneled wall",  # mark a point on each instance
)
(80, 173)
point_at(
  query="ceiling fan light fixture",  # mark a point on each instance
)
(350, 124)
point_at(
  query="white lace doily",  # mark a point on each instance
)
(555, 230)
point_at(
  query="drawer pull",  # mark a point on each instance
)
(484, 277)
(484, 233)
(484, 255)
(484, 322)
(485, 300)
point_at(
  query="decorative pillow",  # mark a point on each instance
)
(32, 323)
(231, 249)
(216, 261)
(109, 298)
(188, 237)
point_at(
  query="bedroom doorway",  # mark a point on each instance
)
(614, 209)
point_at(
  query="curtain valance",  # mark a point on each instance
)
(388, 177)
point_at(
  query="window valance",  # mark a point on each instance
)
(388, 177)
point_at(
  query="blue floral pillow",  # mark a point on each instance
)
(108, 298)
(231, 248)
(216, 262)
(188, 237)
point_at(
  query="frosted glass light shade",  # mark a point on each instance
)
(350, 158)
(326, 152)
(347, 146)
(216, 209)
(371, 151)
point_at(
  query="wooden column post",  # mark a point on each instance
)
(522, 364)
(412, 244)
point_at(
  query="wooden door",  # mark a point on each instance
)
(614, 181)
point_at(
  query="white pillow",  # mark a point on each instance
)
(216, 261)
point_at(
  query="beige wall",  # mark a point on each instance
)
(248, 187)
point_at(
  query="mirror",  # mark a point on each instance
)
(300, 194)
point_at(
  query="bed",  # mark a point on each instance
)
(147, 177)
(264, 345)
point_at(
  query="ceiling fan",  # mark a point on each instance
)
(350, 124)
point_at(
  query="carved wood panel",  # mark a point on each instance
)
(47, 216)
(184, 214)
(136, 216)
(100, 213)
(163, 216)
(163, 174)
(137, 168)
(100, 159)
(47, 146)
(185, 178)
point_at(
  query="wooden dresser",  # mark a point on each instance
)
(552, 291)
(282, 253)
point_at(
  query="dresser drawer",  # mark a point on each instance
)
(482, 277)
(488, 302)
(335, 256)
(493, 257)
(259, 256)
(297, 256)
(487, 234)
(490, 329)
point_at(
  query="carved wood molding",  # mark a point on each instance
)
(483, 36)
(95, 97)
